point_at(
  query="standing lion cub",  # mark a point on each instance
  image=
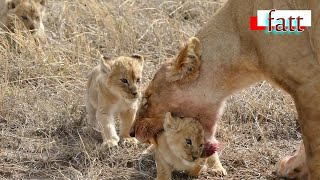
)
(179, 147)
(113, 89)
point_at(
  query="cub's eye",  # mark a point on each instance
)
(24, 17)
(138, 80)
(190, 69)
(124, 81)
(37, 17)
(188, 141)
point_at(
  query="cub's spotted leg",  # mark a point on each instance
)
(163, 169)
(214, 165)
(126, 121)
(108, 130)
(92, 122)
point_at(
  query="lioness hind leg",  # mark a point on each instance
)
(214, 165)
(307, 100)
(126, 121)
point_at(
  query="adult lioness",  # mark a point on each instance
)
(233, 58)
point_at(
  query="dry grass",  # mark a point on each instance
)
(42, 111)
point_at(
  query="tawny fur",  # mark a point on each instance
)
(23, 14)
(234, 57)
(179, 147)
(113, 89)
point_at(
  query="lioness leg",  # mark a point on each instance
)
(214, 165)
(210, 149)
(126, 120)
(108, 130)
(307, 100)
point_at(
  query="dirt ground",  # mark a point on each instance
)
(42, 112)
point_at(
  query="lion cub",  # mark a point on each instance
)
(179, 147)
(113, 89)
(29, 12)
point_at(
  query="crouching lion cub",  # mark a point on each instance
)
(179, 147)
(29, 12)
(113, 89)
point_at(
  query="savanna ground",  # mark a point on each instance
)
(42, 112)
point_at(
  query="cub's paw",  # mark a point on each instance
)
(196, 171)
(109, 144)
(217, 171)
(129, 140)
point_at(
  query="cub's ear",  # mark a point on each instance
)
(186, 66)
(12, 3)
(105, 67)
(138, 57)
(170, 124)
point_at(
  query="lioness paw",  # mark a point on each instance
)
(218, 171)
(109, 144)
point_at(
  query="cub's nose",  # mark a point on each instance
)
(134, 93)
